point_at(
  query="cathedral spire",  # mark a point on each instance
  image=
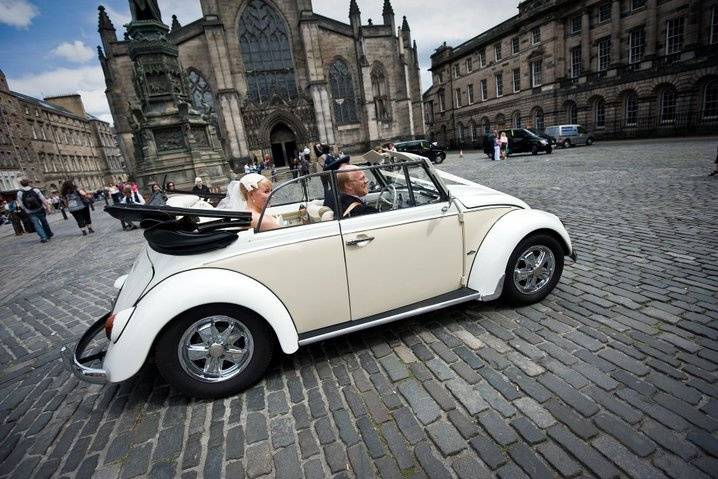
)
(355, 17)
(353, 8)
(388, 14)
(104, 22)
(175, 23)
(405, 25)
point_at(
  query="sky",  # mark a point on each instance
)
(49, 47)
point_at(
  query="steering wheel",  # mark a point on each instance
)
(389, 188)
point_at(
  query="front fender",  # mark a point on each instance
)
(487, 271)
(181, 292)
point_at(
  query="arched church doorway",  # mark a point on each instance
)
(284, 144)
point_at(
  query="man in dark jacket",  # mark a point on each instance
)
(36, 206)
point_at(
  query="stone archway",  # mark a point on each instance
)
(283, 142)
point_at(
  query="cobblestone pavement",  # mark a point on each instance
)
(614, 374)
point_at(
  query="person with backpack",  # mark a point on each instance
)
(34, 204)
(78, 204)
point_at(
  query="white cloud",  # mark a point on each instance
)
(17, 13)
(118, 17)
(76, 52)
(88, 81)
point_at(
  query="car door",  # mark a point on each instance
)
(405, 254)
(582, 134)
(519, 142)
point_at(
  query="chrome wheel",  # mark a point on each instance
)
(534, 269)
(215, 348)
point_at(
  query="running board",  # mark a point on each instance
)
(442, 301)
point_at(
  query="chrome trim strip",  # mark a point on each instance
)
(70, 355)
(389, 319)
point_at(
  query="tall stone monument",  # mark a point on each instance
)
(170, 137)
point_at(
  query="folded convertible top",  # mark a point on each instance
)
(177, 231)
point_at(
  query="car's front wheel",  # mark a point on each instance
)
(533, 269)
(567, 143)
(589, 141)
(440, 157)
(214, 351)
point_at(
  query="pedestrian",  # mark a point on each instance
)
(130, 197)
(34, 204)
(247, 168)
(200, 189)
(170, 188)
(497, 146)
(715, 172)
(14, 216)
(294, 166)
(158, 197)
(504, 140)
(78, 202)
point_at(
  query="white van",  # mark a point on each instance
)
(570, 135)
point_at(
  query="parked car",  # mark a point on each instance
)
(542, 134)
(570, 135)
(212, 300)
(522, 140)
(425, 148)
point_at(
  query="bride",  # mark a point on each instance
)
(250, 193)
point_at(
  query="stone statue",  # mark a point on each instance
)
(145, 10)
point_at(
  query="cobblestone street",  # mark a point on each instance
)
(615, 374)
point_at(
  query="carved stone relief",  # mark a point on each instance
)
(168, 139)
(200, 137)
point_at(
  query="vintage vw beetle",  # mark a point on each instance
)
(213, 300)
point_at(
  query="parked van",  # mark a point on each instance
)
(570, 135)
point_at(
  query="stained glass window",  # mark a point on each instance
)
(200, 93)
(342, 87)
(267, 55)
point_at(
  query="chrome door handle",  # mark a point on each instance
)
(361, 240)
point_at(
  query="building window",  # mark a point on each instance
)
(482, 58)
(485, 125)
(517, 79)
(469, 65)
(497, 52)
(515, 45)
(342, 89)
(571, 112)
(457, 71)
(516, 120)
(604, 54)
(34, 133)
(470, 94)
(499, 84)
(575, 53)
(200, 93)
(484, 90)
(441, 76)
(604, 12)
(674, 35)
(538, 119)
(442, 104)
(536, 36)
(668, 106)
(599, 112)
(631, 110)
(636, 45)
(266, 52)
(575, 25)
(536, 73)
(636, 4)
(714, 25)
(457, 97)
(380, 90)
(710, 100)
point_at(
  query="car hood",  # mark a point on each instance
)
(474, 195)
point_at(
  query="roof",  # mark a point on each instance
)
(55, 108)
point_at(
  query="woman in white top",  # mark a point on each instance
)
(504, 145)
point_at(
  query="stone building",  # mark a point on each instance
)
(276, 76)
(621, 68)
(52, 140)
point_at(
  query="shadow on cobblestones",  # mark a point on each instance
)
(614, 374)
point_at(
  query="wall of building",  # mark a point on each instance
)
(600, 94)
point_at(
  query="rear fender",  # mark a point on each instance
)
(181, 292)
(487, 271)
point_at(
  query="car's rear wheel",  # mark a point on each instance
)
(589, 141)
(533, 270)
(567, 143)
(214, 351)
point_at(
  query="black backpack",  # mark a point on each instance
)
(31, 200)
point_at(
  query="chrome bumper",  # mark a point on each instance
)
(74, 360)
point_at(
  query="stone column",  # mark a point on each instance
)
(651, 28)
(693, 24)
(317, 82)
(585, 43)
(227, 91)
(616, 32)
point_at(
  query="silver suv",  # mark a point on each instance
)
(570, 135)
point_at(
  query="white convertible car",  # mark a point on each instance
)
(213, 299)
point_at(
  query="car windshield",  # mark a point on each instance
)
(531, 133)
